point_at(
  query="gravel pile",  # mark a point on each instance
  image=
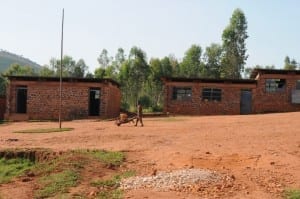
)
(171, 180)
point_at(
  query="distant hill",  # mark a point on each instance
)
(7, 58)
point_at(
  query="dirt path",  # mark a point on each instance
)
(262, 152)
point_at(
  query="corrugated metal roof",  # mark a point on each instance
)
(273, 71)
(64, 79)
(209, 80)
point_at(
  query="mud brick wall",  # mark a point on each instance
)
(264, 102)
(43, 99)
(111, 101)
(2, 107)
(229, 104)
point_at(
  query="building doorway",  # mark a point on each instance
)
(94, 103)
(21, 99)
(246, 102)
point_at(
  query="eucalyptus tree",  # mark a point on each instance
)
(191, 63)
(290, 65)
(234, 45)
(212, 59)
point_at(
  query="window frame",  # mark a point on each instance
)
(186, 95)
(275, 85)
(211, 94)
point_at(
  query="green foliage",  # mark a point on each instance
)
(290, 65)
(109, 158)
(51, 130)
(191, 63)
(112, 194)
(292, 194)
(114, 181)
(212, 59)
(119, 59)
(133, 75)
(46, 72)
(103, 59)
(99, 73)
(3, 83)
(57, 183)
(16, 69)
(234, 45)
(125, 106)
(145, 101)
(79, 69)
(70, 68)
(13, 167)
(109, 187)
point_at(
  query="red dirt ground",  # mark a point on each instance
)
(262, 152)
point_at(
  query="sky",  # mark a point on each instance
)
(32, 28)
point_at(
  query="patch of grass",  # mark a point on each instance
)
(51, 130)
(114, 194)
(109, 158)
(114, 181)
(57, 183)
(109, 188)
(13, 167)
(3, 122)
(292, 194)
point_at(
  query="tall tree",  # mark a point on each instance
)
(234, 44)
(68, 65)
(290, 65)
(191, 63)
(175, 65)
(139, 70)
(212, 59)
(133, 76)
(70, 68)
(126, 86)
(99, 72)
(79, 69)
(103, 59)
(158, 69)
(119, 58)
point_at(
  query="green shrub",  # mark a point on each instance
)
(292, 194)
(13, 167)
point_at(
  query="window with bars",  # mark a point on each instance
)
(275, 85)
(182, 93)
(211, 94)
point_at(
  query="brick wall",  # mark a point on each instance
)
(113, 101)
(2, 107)
(264, 102)
(43, 99)
(229, 104)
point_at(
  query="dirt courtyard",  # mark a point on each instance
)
(261, 152)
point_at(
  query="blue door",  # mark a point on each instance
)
(246, 102)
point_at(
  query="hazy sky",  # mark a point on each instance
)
(160, 27)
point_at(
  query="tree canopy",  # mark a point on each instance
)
(234, 45)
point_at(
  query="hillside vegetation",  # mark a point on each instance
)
(7, 58)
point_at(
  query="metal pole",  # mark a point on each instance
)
(61, 65)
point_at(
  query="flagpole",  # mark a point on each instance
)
(61, 65)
